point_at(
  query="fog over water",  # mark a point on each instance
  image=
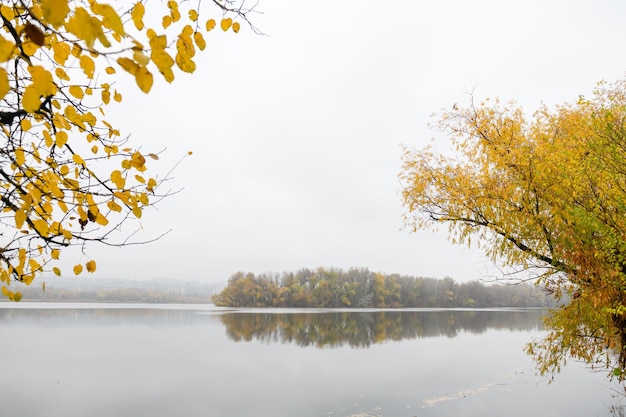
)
(120, 360)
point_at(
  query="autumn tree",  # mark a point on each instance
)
(545, 194)
(67, 175)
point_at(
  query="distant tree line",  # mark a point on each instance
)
(359, 287)
(114, 295)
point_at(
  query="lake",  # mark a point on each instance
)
(115, 360)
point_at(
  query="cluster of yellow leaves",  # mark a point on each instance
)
(58, 63)
(546, 194)
(97, 27)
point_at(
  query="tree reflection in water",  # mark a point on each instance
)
(361, 329)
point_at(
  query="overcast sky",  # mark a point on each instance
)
(296, 136)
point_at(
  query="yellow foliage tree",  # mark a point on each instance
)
(546, 194)
(67, 176)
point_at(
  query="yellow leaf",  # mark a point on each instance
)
(91, 266)
(76, 91)
(56, 271)
(141, 58)
(86, 27)
(110, 70)
(226, 23)
(47, 138)
(78, 269)
(61, 52)
(7, 49)
(34, 265)
(25, 124)
(88, 66)
(42, 81)
(137, 212)
(111, 19)
(236, 27)
(113, 206)
(140, 179)
(193, 15)
(118, 179)
(30, 99)
(76, 50)
(4, 83)
(60, 72)
(20, 218)
(174, 13)
(77, 159)
(199, 39)
(210, 25)
(185, 63)
(144, 79)
(167, 21)
(60, 139)
(19, 156)
(101, 220)
(128, 65)
(55, 11)
(29, 48)
(55, 253)
(7, 12)
(138, 161)
(137, 15)
(151, 185)
(41, 226)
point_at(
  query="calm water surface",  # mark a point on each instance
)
(120, 360)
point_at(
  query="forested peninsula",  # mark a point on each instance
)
(360, 287)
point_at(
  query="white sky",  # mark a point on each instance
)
(296, 136)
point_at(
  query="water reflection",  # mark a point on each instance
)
(362, 329)
(96, 315)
